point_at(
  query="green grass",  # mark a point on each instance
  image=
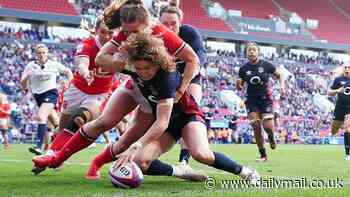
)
(288, 161)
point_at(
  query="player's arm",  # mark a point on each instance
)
(25, 77)
(66, 71)
(82, 63)
(335, 89)
(106, 59)
(197, 44)
(191, 69)
(334, 92)
(164, 108)
(239, 84)
(279, 74)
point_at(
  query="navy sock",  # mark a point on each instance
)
(347, 143)
(222, 162)
(158, 168)
(262, 152)
(40, 135)
(184, 155)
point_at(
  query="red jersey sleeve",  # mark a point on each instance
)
(172, 42)
(83, 49)
(119, 38)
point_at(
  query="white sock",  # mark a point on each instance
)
(245, 171)
(176, 171)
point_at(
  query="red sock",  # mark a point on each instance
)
(104, 157)
(78, 142)
(60, 139)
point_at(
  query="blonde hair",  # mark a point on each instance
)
(144, 46)
(41, 46)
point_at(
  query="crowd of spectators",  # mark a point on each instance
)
(32, 34)
(299, 116)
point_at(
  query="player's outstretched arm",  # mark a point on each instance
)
(333, 92)
(191, 69)
(105, 58)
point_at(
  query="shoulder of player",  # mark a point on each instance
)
(31, 63)
(168, 77)
(244, 66)
(89, 42)
(186, 28)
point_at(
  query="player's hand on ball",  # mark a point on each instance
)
(128, 155)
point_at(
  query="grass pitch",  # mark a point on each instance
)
(321, 166)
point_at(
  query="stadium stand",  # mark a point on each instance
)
(326, 14)
(196, 15)
(306, 118)
(251, 8)
(52, 6)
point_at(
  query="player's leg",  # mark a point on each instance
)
(338, 119)
(254, 117)
(195, 135)
(335, 126)
(4, 130)
(266, 109)
(62, 135)
(184, 153)
(268, 125)
(119, 105)
(44, 110)
(347, 137)
(141, 122)
(255, 122)
(106, 137)
(195, 90)
(54, 118)
(150, 165)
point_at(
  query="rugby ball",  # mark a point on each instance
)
(126, 176)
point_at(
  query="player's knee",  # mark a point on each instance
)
(202, 156)
(144, 165)
(78, 119)
(255, 123)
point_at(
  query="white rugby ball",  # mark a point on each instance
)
(126, 176)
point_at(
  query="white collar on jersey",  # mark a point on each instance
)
(42, 65)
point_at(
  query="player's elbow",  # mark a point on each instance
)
(100, 59)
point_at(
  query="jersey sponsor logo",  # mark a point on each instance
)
(153, 90)
(347, 91)
(256, 80)
(140, 82)
(152, 99)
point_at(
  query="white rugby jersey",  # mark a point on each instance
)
(43, 77)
